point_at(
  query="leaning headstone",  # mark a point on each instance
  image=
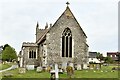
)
(22, 70)
(39, 69)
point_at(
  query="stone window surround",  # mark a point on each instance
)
(32, 54)
(67, 37)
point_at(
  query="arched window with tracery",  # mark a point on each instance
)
(67, 43)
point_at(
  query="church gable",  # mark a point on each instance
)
(66, 18)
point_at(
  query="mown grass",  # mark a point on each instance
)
(105, 72)
(28, 74)
(96, 74)
(4, 66)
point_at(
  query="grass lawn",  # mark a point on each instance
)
(77, 74)
(96, 74)
(4, 66)
(28, 74)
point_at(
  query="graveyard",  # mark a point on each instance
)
(104, 72)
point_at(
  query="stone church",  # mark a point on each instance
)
(63, 43)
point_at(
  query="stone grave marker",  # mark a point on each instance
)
(30, 67)
(39, 69)
(22, 70)
(8, 74)
(56, 71)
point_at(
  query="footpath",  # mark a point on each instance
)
(12, 67)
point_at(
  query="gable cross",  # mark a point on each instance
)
(67, 3)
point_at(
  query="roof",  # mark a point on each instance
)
(28, 44)
(112, 52)
(66, 13)
(92, 54)
(43, 34)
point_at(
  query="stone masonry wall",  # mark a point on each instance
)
(80, 47)
(26, 59)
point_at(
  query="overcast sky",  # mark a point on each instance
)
(98, 19)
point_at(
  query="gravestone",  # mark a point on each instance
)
(49, 68)
(14, 66)
(79, 67)
(30, 67)
(39, 69)
(56, 71)
(22, 70)
(69, 71)
(64, 65)
(8, 74)
(72, 65)
(85, 66)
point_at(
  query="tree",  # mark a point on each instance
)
(8, 53)
(99, 56)
(6, 45)
(108, 60)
